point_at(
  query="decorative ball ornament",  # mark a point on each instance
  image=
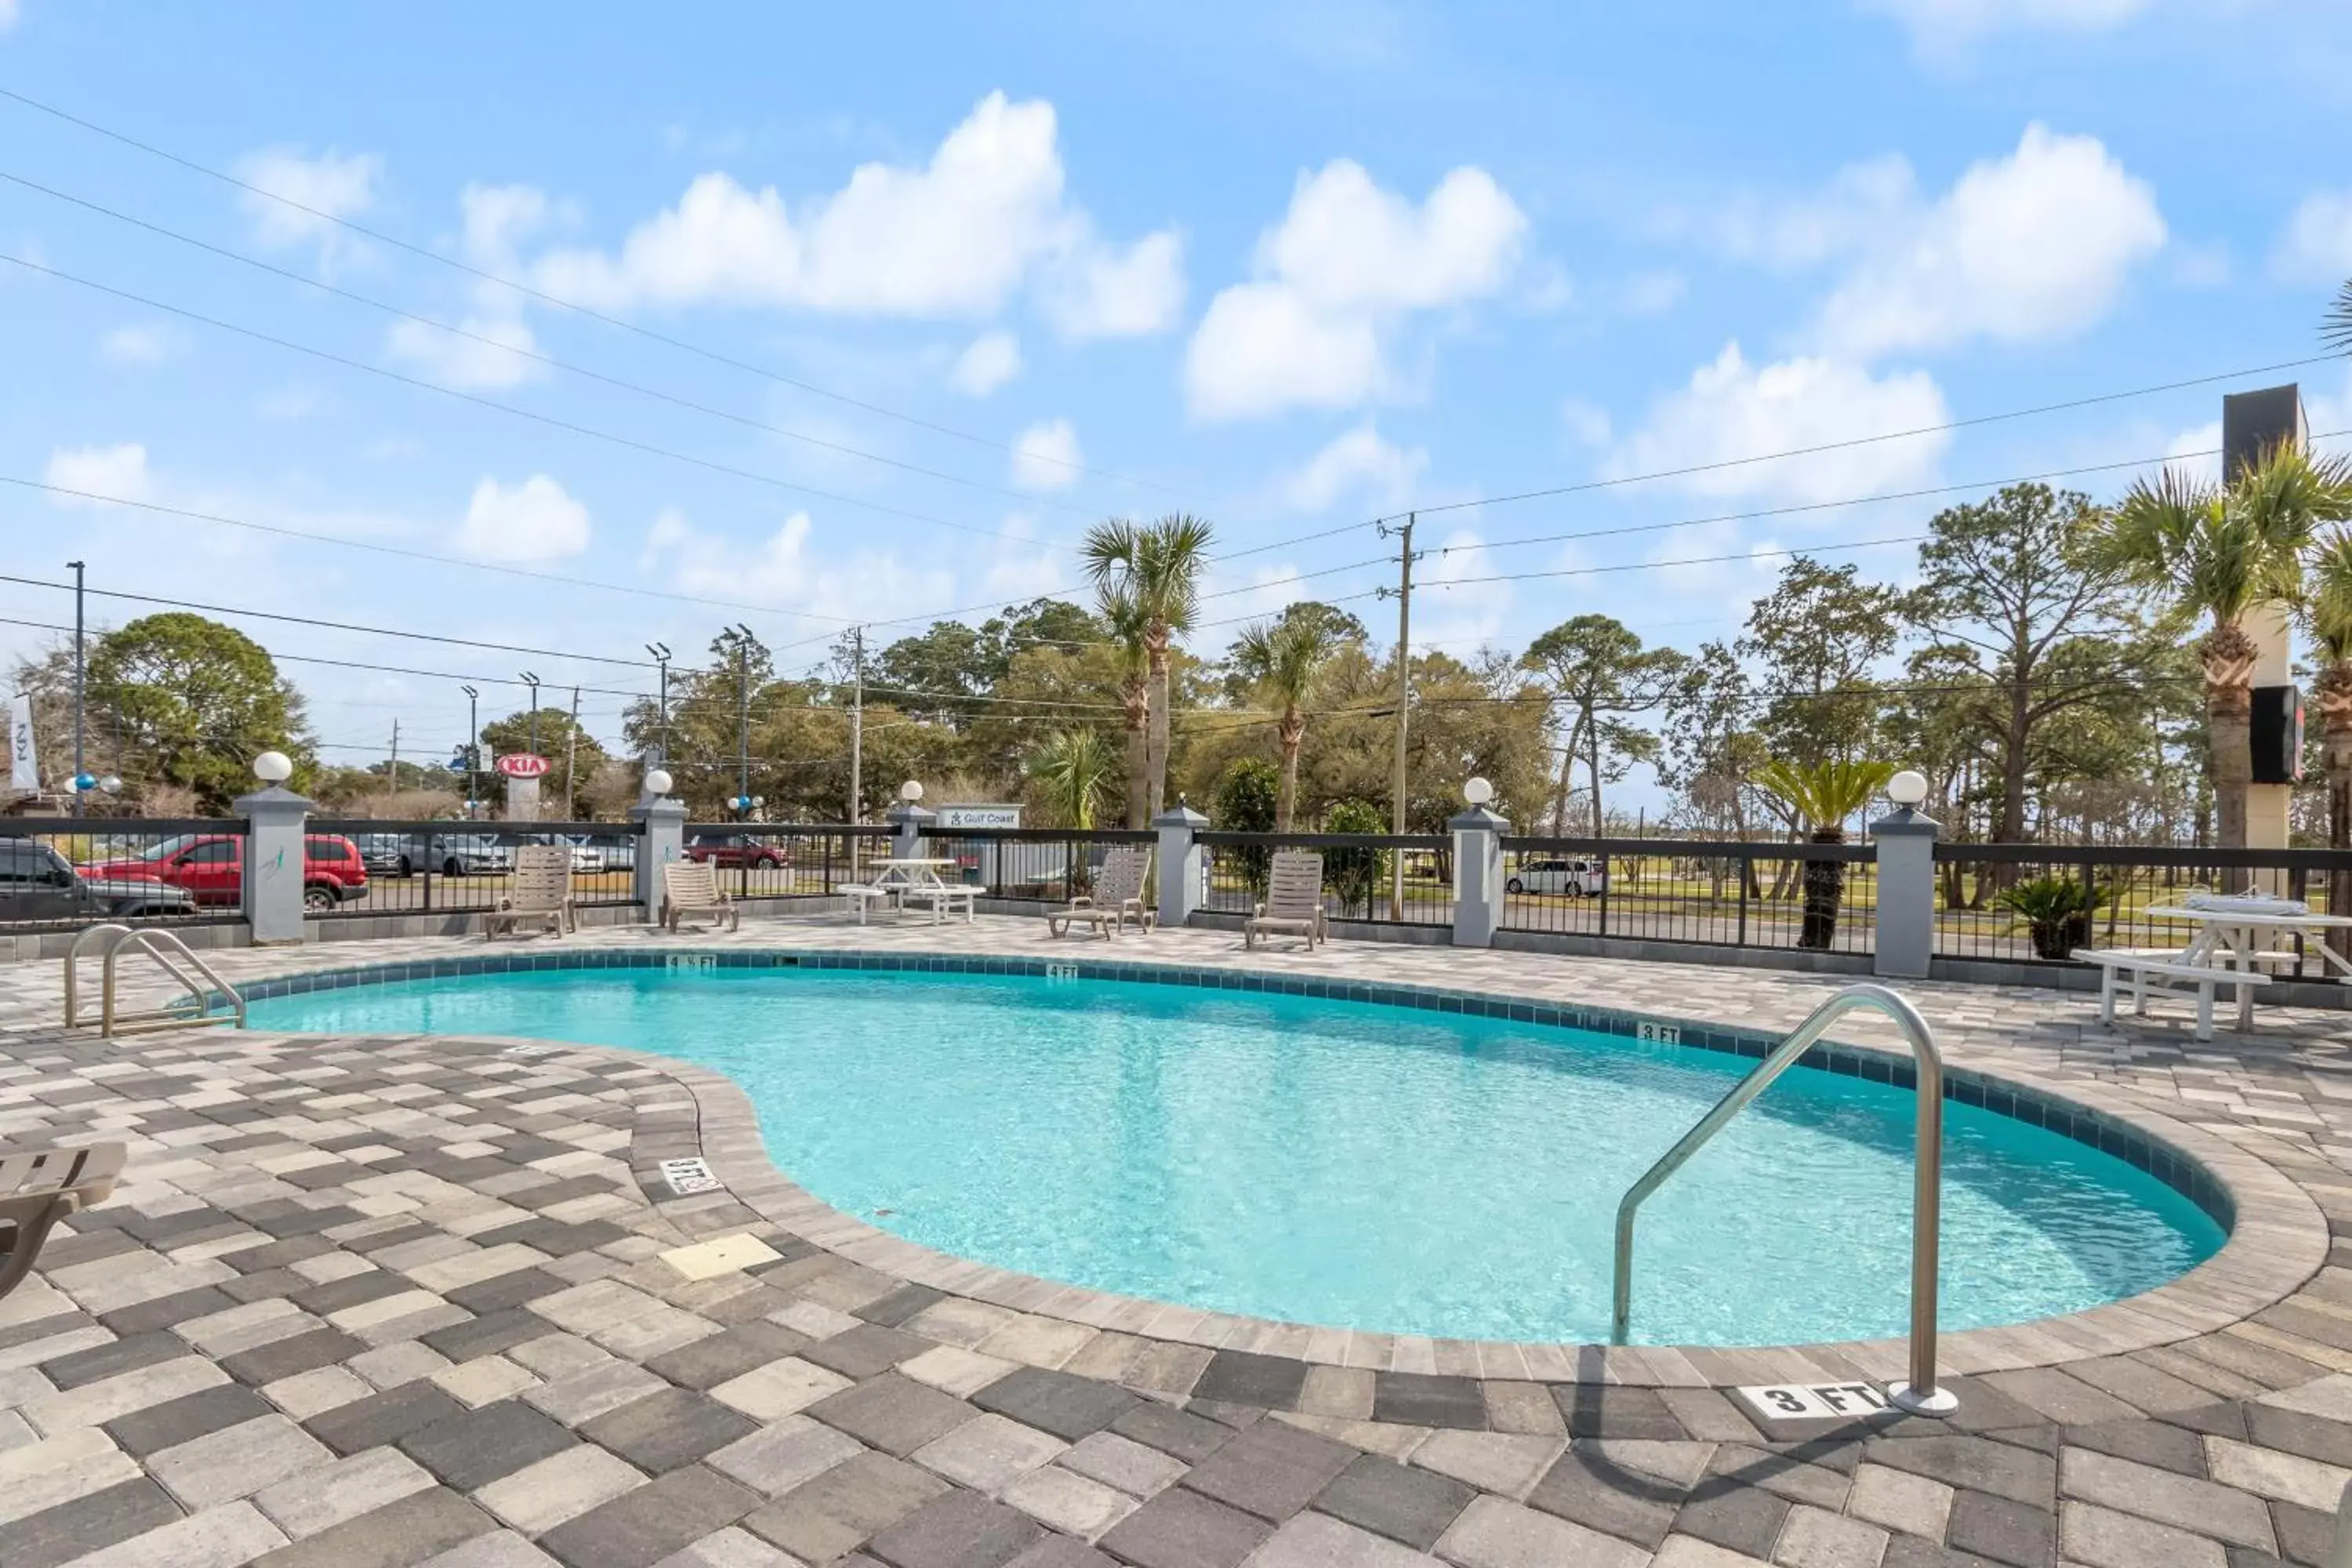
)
(657, 781)
(273, 767)
(1907, 788)
(1477, 791)
(910, 792)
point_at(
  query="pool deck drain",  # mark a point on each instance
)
(394, 1300)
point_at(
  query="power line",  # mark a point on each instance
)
(526, 290)
(532, 355)
(535, 417)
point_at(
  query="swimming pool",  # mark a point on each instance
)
(1346, 1163)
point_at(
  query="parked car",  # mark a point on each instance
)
(587, 854)
(1560, 878)
(210, 867)
(450, 853)
(37, 883)
(750, 852)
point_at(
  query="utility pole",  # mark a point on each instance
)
(532, 682)
(473, 744)
(571, 760)
(661, 743)
(80, 772)
(857, 741)
(391, 773)
(1406, 559)
(743, 720)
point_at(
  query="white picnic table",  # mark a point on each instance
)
(902, 877)
(2245, 935)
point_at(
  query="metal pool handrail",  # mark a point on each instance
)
(1919, 1397)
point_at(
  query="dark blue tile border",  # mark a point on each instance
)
(2094, 1129)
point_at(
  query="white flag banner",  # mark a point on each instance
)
(23, 768)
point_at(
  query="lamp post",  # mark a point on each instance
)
(661, 745)
(532, 680)
(473, 744)
(743, 714)
(81, 777)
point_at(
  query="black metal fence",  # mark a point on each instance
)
(436, 868)
(1045, 865)
(2036, 903)
(60, 873)
(784, 859)
(1360, 874)
(1821, 898)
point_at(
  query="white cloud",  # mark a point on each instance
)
(119, 472)
(1586, 424)
(289, 403)
(955, 237)
(534, 520)
(1940, 26)
(2205, 442)
(149, 342)
(993, 359)
(1653, 293)
(331, 185)
(2035, 245)
(2316, 247)
(8, 15)
(1462, 596)
(1102, 291)
(498, 218)
(1046, 458)
(779, 569)
(1358, 462)
(1334, 280)
(469, 362)
(1733, 410)
(1861, 203)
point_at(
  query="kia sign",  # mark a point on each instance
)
(522, 765)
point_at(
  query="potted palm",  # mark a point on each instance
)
(2055, 911)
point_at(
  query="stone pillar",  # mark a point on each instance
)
(1907, 894)
(275, 818)
(908, 820)
(523, 799)
(1183, 863)
(661, 838)
(1477, 876)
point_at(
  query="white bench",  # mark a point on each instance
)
(2160, 969)
(863, 894)
(939, 895)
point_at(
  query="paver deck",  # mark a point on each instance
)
(391, 1300)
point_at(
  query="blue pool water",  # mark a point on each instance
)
(1343, 1163)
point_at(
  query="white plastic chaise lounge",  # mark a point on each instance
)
(1118, 894)
(690, 890)
(1293, 901)
(2167, 970)
(540, 893)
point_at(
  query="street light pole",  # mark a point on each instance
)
(78, 769)
(532, 682)
(661, 745)
(473, 745)
(743, 720)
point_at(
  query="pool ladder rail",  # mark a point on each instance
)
(193, 1010)
(1920, 1395)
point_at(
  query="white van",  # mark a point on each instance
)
(1560, 878)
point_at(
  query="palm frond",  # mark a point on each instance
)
(2335, 330)
(1825, 793)
(2327, 603)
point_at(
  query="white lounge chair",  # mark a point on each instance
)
(540, 892)
(689, 888)
(1293, 901)
(1118, 893)
(2164, 970)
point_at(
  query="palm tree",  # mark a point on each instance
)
(1822, 795)
(1125, 620)
(2336, 331)
(1076, 766)
(2327, 616)
(1159, 568)
(2217, 552)
(1284, 659)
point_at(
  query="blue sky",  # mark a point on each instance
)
(1290, 267)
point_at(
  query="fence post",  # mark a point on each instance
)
(275, 817)
(1182, 863)
(1477, 876)
(909, 819)
(1907, 894)
(661, 838)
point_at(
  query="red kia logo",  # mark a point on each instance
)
(522, 765)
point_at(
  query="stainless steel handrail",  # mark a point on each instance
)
(1921, 1396)
(73, 955)
(144, 942)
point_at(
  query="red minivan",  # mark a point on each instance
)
(210, 865)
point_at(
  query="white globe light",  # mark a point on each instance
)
(1908, 788)
(910, 792)
(110, 784)
(1477, 791)
(657, 781)
(273, 767)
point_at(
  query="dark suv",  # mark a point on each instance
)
(37, 884)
